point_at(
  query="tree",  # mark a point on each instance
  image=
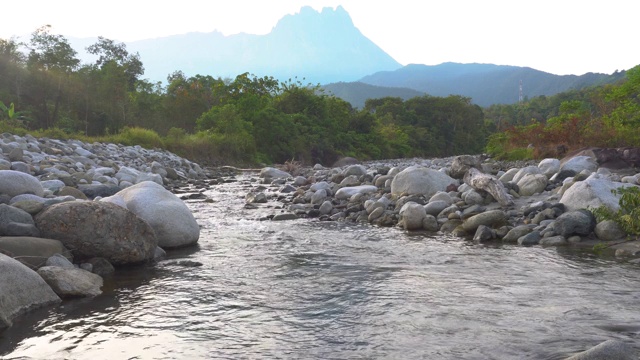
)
(51, 60)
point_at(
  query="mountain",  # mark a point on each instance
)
(357, 93)
(485, 84)
(321, 47)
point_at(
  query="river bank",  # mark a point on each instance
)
(419, 196)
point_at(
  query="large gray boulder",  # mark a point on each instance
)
(592, 192)
(579, 222)
(549, 167)
(99, 229)
(168, 216)
(461, 164)
(491, 218)
(579, 163)
(608, 350)
(609, 230)
(14, 183)
(417, 180)
(532, 184)
(33, 251)
(71, 282)
(21, 290)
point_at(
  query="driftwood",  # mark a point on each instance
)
(481, 181)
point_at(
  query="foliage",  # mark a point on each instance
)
(137, 136)
(628, 215)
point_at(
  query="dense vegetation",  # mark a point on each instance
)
(47, 90)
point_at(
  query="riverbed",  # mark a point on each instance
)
(309, 289)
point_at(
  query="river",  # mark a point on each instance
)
(306, 289)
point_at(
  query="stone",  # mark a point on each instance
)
(412, 215)
(376, 213)
(71, 282)
(532, 238)
(529, 170)
(15, 183)
(435, 207)
(509, 175)
(33, 251)
(168, 216)
(532, 184)
(472, 197)
(99, 229)
(430, 223)
(484, 234)
(53, 185)
(345, 161)
(491, 218)
(59, 261)
(319, 197)
(579, 163)
(609, 230)
(326, 207)
(442, 196)
(579, 222)
(549, 167)
(417, 180)
(273, 173)
(461, 164)
(284, 217)
(347, 192)
(101, 266)
(355, 170)
(553, 241)
(71, 191)
(19, 229)
(322, 185)
(29, 206)
(608, 350)
(21, 290)
(517, 232)
(251, 198)
(91, 191)
(592, 192)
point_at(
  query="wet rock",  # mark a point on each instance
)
(491, 218)
(71, 282)
(609, 230)
(101, 266)
(484, 234)
(284, 217)
(517, 232)
(553, 241)
(608, 350)
(412, 215)
(21, 290)
(532, 238)
(580, 222)
(253, 198)
(33, 251)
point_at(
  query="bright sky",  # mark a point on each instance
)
(556, 36)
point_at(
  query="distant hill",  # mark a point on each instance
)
(485, 84)
(357, 93)
(321, 47)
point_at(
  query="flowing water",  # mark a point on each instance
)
(306, 289)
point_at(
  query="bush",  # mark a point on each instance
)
(138, 136)
(628, 216)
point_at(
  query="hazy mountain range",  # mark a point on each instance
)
(326, 48)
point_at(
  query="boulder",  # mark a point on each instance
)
(345, 161)
(491, 218)
(435, 207)
(59, 260)
(579, 222)
(608, 350)
(417, 180)
(609, 230)
(273, 173)
(532, 184)
(592, 192)
(461, 164)
(33, 251)
(347, 192)
(99, 229)
(71, 282)
(92, 191)
(101, 266)
(549, 167)
(21, 290)
(168, 216)
(355, 170)
(517, 232)
(579, 163)
(412, 215)
(14, 183)
(529, 170)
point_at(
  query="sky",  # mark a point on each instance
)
(557, 36)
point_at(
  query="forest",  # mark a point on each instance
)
(46, 90)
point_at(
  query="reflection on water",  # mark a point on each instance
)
(316, 290)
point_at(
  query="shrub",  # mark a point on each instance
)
(628, 216)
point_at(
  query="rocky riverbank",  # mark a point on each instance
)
(547, 200)
(70, 211)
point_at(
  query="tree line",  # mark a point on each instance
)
(44, 86)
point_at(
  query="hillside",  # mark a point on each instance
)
(485, 84)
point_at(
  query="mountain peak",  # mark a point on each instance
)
(309, 18)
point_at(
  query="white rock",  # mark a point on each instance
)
(592, 192)
(167, 215)
(549, 167)
(580, 163)
(525, 171)
(347, 192)
(417, 180)
(273, 173)
(412, 215)
(532, 184)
